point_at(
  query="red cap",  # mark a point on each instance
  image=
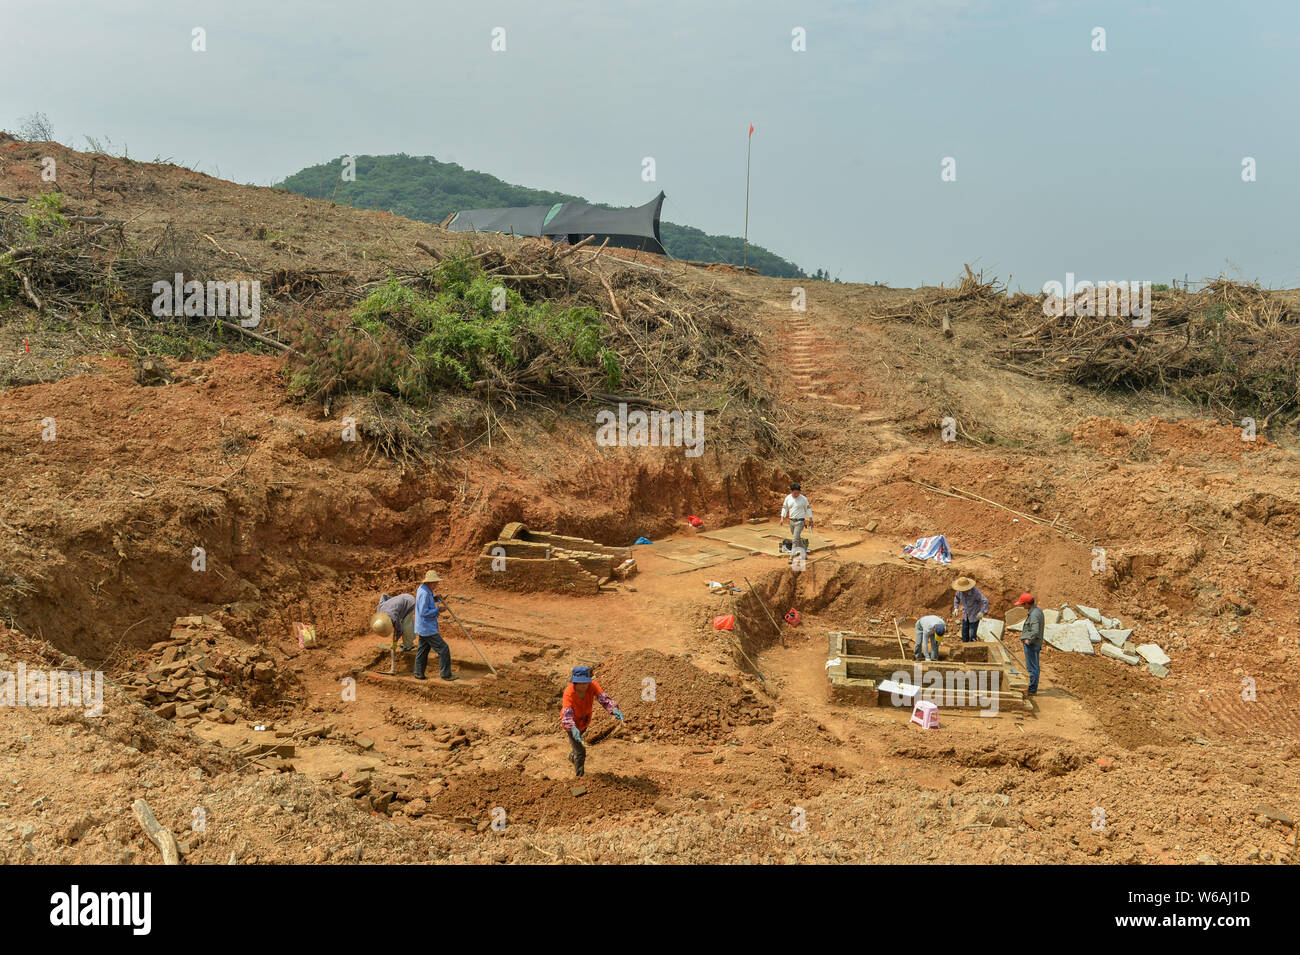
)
(1025, 598)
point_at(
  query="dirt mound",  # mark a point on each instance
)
(1118, 696)
(518, 690)
(512, 689)
(688, 705)
(472, 799)
(1034, 756)
(1142, 440)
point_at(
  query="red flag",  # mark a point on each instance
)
(751, 129)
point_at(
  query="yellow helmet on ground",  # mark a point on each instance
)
(382, 624)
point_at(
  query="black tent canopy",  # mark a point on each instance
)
(635, 228)
(522, 220)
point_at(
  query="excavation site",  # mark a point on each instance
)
(223, 544)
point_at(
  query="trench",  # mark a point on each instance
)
(271, 550)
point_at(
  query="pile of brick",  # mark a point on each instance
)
(201, 672)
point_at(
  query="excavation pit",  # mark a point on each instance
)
(972, 675)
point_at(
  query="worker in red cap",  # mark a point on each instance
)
(575, 711)
(1032, 637)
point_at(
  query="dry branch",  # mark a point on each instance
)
(157, 833)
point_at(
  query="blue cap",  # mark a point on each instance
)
(941, 627)
(581, 675)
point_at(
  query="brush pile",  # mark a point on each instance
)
(1231, 348)
(509, 321)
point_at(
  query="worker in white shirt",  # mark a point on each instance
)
(798, 511)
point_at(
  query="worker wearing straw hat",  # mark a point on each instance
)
(395, 615)
(427, 607)
(968, 605)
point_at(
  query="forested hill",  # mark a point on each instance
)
(421, 187)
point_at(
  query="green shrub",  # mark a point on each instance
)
(45, 215)
(407, 342)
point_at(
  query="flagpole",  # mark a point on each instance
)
(749, 150)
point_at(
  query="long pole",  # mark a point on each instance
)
(471, 639)
(763, 603)
(749, 149)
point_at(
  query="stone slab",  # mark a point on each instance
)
(1117, 637)
(1068, 637)
(1068, 615)
(766, 538)
(990, 629)
(1092, 613)
(1115, 653)
(1158, 670)
(1152, 653)
(694, 553)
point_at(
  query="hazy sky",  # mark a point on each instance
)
(1116, 165)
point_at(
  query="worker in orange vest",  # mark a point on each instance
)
(575, 711)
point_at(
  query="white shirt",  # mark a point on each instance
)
(796, 508)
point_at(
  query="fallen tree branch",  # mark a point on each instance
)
(30, 292)
(157, 833)
(576, 246)
(18, 253)
(264, 340)
(214, 242)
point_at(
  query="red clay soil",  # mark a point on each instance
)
(96, 561)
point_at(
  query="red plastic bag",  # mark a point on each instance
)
(793, 617)
(727, 622)
(694, 521)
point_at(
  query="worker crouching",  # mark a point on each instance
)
(929, 629)
(575, 712)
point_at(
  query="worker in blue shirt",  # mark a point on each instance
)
(427, 607)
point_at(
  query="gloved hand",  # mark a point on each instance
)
(576, 734)
(618, 714)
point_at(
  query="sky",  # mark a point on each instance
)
(1122, 164)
